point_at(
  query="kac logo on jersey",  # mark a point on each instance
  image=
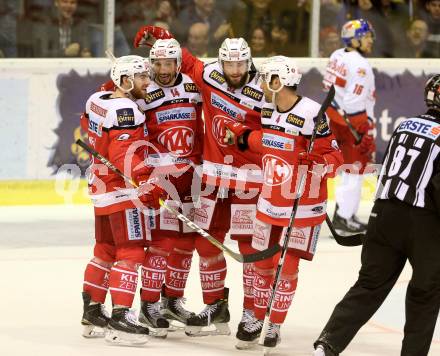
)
(176, 114)
(229, 109)
(218, 128)
(278, 142)
(276, 170)
(178, 140)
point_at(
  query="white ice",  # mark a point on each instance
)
(44, 250)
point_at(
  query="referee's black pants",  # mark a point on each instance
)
(396, 232)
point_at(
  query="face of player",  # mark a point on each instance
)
(366, 43)
(236, 73)
(165, 71)
(140, 85)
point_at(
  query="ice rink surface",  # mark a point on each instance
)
(43, 253)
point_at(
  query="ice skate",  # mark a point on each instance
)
(215, 314)
(247, 316)
(346, 227)
(323, 349)
(151, 317)
(173, 310)
(249, 333)
(123, 329)
(95, 318)
(272, 338)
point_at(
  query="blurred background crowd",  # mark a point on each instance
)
(75, 28)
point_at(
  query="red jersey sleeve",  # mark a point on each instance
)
(193, 67)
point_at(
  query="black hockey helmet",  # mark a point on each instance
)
(432, 92)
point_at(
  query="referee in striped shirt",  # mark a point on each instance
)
(404, 225)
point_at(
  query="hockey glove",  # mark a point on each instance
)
(149, 193)
(236, 133)
(316, 164)
(367, 144)
(147, 35)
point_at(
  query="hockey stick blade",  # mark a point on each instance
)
(248, 258)
(253, 257)
(351, 240)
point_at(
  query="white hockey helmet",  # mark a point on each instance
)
(165, 49)
(128, 66)
(284, 67)
(234, 50)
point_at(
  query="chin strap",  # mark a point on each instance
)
(275, 91)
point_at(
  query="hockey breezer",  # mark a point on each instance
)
(248, 258)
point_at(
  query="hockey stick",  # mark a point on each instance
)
(319, 118)
(248, 258)
(353, 131)
(349, 240)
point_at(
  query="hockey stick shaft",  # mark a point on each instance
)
(353, 131)
(320, 117)
(248, 258)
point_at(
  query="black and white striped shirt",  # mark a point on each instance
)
(411, 160)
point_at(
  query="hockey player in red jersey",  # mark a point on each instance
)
(288, 120)
(173, 111)
(351, 74)
(231, 178)
(116, 129)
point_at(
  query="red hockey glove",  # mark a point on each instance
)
(149, 193)
(147, 35)
(108, 86)
(316, 164)
(367, 145)
(234, 132)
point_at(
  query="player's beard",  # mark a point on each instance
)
(165, 81)
(138, 93)
(239, 84)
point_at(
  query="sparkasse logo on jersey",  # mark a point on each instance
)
(276, 170)
(278, 142)
(225, 106)
(178, 140)
(176, 114)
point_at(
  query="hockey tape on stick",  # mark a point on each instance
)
(321, 116)
(248, 258)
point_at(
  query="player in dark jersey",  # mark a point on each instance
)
(404, 225)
